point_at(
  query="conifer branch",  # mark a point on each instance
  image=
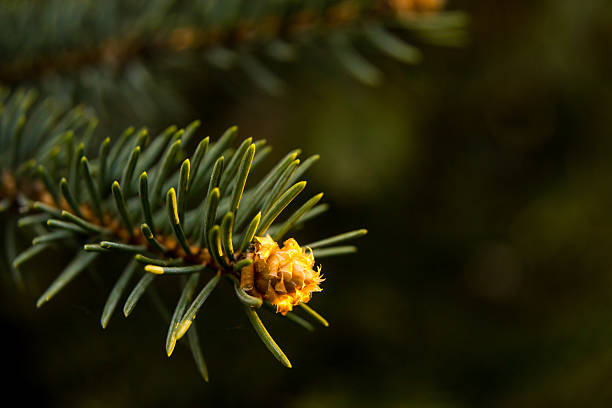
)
(209, 223)
(229, 35)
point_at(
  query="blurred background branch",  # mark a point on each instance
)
(151, 55)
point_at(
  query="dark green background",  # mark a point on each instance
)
(484, 176)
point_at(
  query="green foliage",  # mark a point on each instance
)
(152, 203)
(190, 214)
(137, 51)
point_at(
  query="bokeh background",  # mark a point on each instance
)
(484, 176)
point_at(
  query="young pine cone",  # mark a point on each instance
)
(409, 7)
(282, 276)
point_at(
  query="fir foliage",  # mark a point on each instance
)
(173, 203)
(88, 43)
(143, 201)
